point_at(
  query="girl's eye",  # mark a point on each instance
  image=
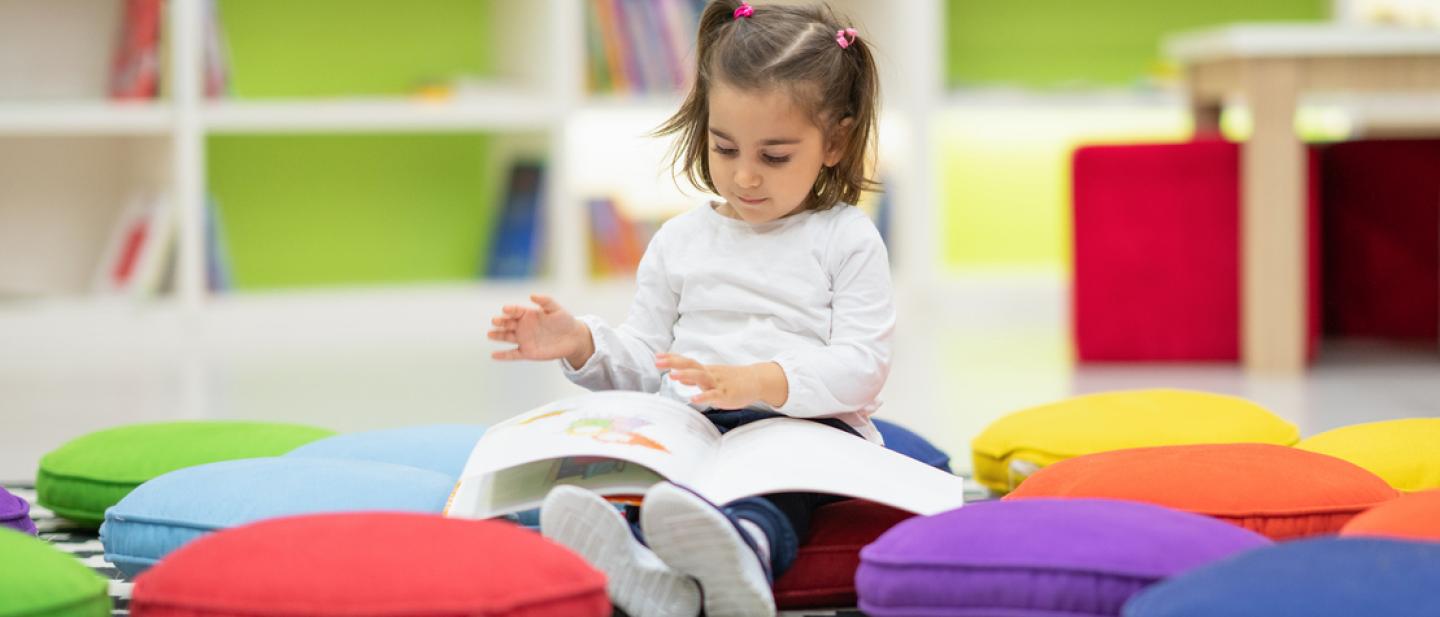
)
(775, 160)
(722, 151)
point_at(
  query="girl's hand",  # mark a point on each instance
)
(545, 331)
(725, 386)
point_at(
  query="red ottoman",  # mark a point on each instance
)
(1382, 239)
(823, 574)
(371, 565)
(1157, 248)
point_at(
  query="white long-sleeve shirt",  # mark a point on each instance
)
(810, 292)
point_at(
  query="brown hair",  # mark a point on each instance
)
(790, 47)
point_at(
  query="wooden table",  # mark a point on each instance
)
(1270, 66)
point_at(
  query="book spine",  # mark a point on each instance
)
(612, 39)
(135, 71)
(517, 241)
(630, 34)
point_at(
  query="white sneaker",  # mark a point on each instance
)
(638, 582)
(696, 538)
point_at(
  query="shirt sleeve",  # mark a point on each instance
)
(847, 374)
(624, 357)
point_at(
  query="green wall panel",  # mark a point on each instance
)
(341, 210)
(1060, 43)
(316, 210)
(309, 48)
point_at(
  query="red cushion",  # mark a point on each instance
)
(1156, 252)
(1415, 516)
(823, 574)
(1381, 201)
(371, 564)
(1278, 491)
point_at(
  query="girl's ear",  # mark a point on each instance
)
(835, 142)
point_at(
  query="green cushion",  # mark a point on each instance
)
(37, 579)
(82, 478)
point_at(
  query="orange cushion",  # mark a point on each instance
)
(1278, 491)
(1415, 516)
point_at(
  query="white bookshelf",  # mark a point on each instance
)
(54, 103)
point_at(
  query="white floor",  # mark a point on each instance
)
(967, 355)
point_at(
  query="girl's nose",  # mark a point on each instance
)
(746, 178)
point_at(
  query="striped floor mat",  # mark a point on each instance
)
(84, 544)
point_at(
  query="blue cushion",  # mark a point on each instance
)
(169, 511)
(1326, 577)
(438, 447)
(905, 441)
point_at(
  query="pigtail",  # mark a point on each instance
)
(859, 89)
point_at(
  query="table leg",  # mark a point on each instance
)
(1204, 110)
(1274, 320)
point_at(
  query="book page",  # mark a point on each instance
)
(570, 441)
(783, 455)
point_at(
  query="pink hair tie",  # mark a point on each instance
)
(845, 37)
(744, 10)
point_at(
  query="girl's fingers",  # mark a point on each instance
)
(502, 322)
(544, 302)
(513, 311)
(501, 335)
(707, 397)
(509, 354)
(674, 361)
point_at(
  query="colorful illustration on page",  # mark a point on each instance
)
(615, 430)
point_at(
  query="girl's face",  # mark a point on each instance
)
(765, 153)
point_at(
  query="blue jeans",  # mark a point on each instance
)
(784, 517)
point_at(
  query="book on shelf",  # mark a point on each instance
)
(616, 242)
(619, 443)
(139, 256)
(218, 274)
(135, 71)
(640, 46)
(217, 68)
(516, 247)
(877, 205)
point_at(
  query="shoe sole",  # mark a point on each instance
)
(637, 581)
(698, 540)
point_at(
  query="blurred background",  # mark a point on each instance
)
(308, 210)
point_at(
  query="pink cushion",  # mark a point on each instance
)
(371, 565)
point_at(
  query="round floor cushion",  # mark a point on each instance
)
(1034, 557)
(1403, 452)
(1016, 445)
(372, 564)
(1415, 516)
(82, 478)
(438, 447)
(38, 580)
(174, 509)
(15, 513)
(1322, 577)
(1278, 491)
(823, 574)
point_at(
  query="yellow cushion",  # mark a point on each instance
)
(1406, 453)
(1023, 442)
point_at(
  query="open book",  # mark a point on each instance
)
(619, 443)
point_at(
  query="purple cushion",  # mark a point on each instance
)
(1050, 557)
(15, 513)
